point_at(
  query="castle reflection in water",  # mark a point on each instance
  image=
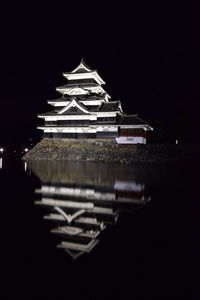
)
(81, 199)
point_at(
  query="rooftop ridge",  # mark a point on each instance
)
(73, 103)
(82, 65)
(82, 71)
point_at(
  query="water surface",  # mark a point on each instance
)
(97, 231)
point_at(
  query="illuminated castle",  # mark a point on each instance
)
(85, 110)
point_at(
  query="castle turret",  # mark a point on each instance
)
(86, 110)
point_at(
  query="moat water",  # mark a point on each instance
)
(97, 231)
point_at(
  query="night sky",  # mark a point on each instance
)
(148, 54)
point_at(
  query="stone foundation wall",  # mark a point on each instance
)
(108, 150)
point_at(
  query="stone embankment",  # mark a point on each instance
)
(107, 150)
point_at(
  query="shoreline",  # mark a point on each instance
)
(107, 150)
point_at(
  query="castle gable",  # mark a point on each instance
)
(75, 107)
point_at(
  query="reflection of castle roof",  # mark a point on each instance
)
(88, 222)
(73, 231)
(95, 174)
(82, 208)
(77, 249)
(122, 191)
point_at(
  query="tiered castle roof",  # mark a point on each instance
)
(88, 107)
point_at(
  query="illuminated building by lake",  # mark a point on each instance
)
(86, 111)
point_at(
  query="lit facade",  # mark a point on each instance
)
(86, 110)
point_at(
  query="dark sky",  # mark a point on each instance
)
(148, 54)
